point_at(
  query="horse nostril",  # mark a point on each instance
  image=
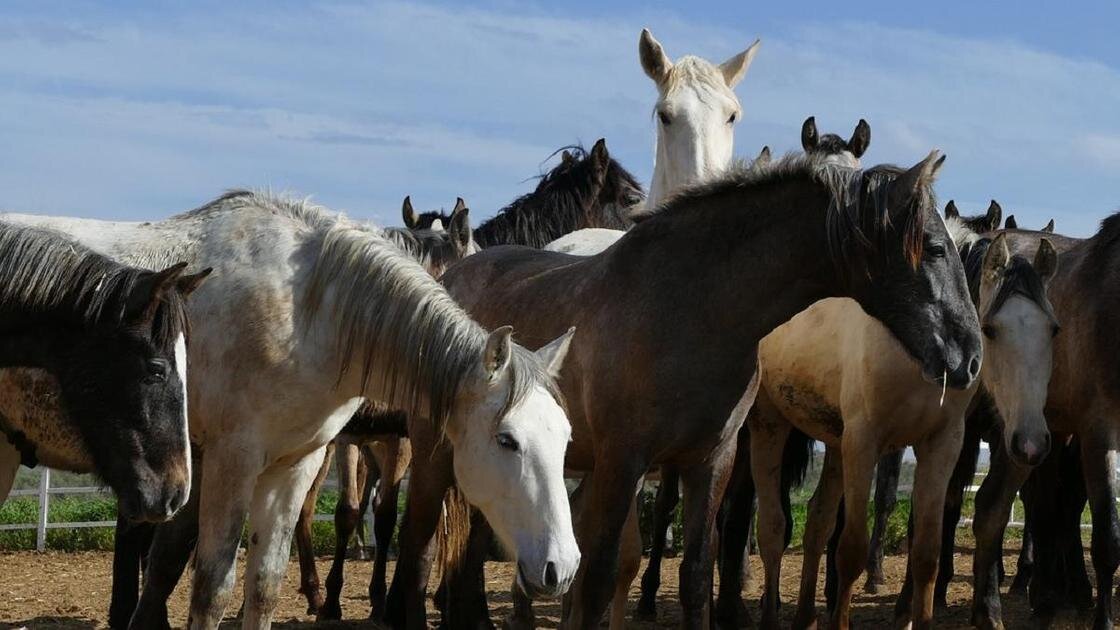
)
(974, 367)
(551, 580)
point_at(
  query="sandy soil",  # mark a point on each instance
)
(71, 590)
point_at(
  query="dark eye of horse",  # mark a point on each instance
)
(936, 251)
(1055, 330)
(731, 120)
(664, 118)
(157, 369)
(507, 442)
(989, 331)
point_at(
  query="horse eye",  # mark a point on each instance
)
(507, 442)
(989, 331)
(1055, 330)
(937, 251)
(731, 120)
(664, 118)
(157, 369)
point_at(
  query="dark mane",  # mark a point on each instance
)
(858, 220)
(1020, 278)
(564, 200)
(1103, 242)
(49, 274)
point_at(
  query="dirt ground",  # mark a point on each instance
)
(71, 590)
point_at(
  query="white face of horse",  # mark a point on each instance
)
(696, 113)
(1018, 345)
(512, 467)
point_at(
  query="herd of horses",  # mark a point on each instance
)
(710, 331)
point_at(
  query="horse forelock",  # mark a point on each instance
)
(1019, 278)
(692, 72)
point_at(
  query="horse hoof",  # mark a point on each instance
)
(329, 612)
(871, 587)
(983, 621)
(513, 622)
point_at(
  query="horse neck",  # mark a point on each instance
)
(743, 263)
(35, 346)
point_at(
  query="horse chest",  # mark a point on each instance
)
(33, 417)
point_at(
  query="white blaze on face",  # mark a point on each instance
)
(181, 370)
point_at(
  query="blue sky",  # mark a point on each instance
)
(139, 110)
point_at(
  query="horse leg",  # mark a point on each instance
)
(992, 509)
(369, 476)
(228, 480)
(704, 486)
(830, 587)
(404, 604)
(1099, 463)
(819, 521)
(385, 517)
(168, 554)
(308, 574)
(630, 560)
(611, 494)
(668, 494)
(936, 456)
(738, 512)
(1072, 499)
(346, 517)
(886, 497)
(277, 501)
(851, 552)
(129, 548)
(769, 431)
(9, 466)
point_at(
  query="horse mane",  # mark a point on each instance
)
(858, 220)
(45, 272)
(1102, 243)
(1019, 278)
(432, 249)
(389, 313)
(561, 203)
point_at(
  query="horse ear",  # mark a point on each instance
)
(995, 215)
(459, 205)
(1011, 223)
(1046, 260)
(809, 136)
(499, 349)
(997, 256)
(1049, 227)
(460, 230)
(951, 211)
(600, 157)
(408, 214)
(148, 291)
(735, 68)
(553, 353)
(654, 60)
(763, 156)
(189, 283)
(921, 174)
(861, 139)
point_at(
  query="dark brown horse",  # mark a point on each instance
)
(663, 369)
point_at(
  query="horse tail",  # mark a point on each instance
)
(454, 531)
(796, 459)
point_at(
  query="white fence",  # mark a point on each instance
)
(45, 491)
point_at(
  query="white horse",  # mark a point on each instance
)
(838, 375)
(306, 313)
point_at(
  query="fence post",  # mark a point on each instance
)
(44, 504)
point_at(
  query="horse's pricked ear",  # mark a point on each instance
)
(1046, 260)
(1011, 224)
(995, 215)
(459, 205)
(951, 211)
(553, 353)
(809, 136)
(861, 139)
(460, 230)
(763, 156)
(187, 284)
(148, 290)
(408, 214)
(735, 68)
(997, 256)
(1049, 227)
(499, 349)
(600, 157)
(654, 60)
